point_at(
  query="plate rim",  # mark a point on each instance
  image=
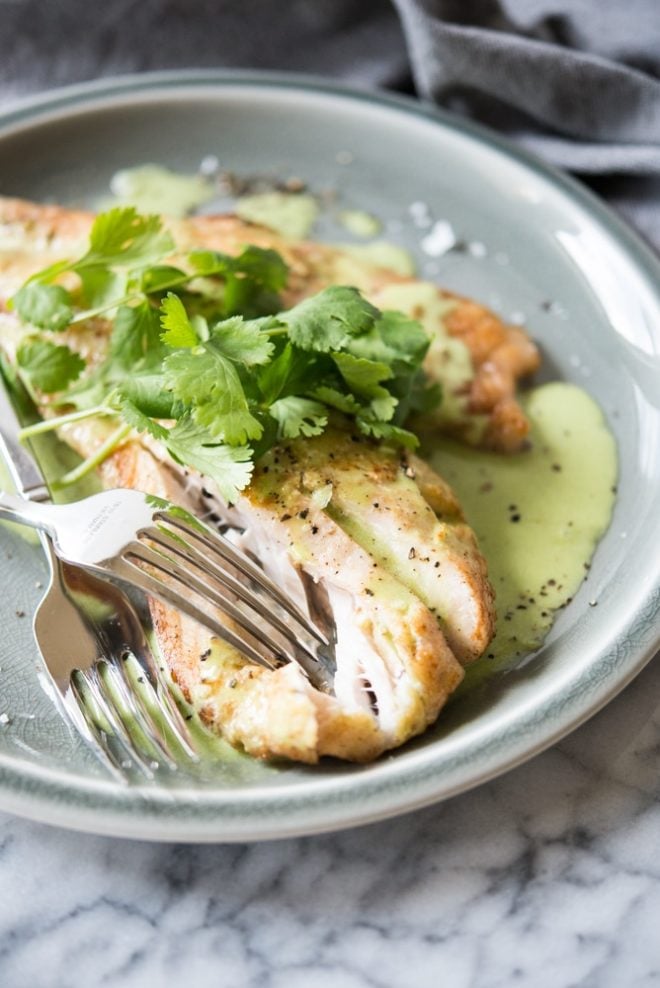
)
(58, 801)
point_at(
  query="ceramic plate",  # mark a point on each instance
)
(541, 246)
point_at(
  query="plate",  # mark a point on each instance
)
(539, 244)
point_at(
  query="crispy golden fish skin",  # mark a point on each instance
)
(33, 235)
(372, 538)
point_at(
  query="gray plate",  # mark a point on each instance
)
(539, 238)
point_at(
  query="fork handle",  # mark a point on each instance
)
(20, 461)
(18, 509)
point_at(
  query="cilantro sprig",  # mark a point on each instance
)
(202, 357)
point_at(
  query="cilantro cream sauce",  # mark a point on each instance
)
(538, 514)
(154, 189)
(290, 215)
(360, 223)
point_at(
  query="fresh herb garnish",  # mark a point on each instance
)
(201, 357)
(47, 366)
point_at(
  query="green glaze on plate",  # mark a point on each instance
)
(588, 290)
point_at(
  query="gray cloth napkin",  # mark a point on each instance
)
(47, 43)
(578, 81)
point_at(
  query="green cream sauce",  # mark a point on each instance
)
(360, 223)
(380, 254)
(291, 215)
(153, 189)
(538, 514)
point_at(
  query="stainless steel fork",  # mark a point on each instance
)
(98, 662)
(148, 543)
(165, 551)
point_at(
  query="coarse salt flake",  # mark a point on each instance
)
(441, 239)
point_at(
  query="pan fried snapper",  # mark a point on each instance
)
(249, 383)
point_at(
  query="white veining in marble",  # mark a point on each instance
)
(547, 877)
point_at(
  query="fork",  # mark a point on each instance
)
(146, 542)
(93, 639)
(108, 679)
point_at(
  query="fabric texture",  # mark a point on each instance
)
(47, 43)
(577, 81)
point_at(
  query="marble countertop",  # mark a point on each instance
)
(547, 876)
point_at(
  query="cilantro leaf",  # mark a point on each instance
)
(44, 306)
(178, 331)
(191, 375)
(396, 340)
(90, 391)
(252, 279)
(327, 321)
(136, 418)
(299, 417)
(134, 349)
(209, 382)
(426, 397)
(47, 366)
(102, 286)
(242, 342)
(229, 466)
(228, 420)
(122, 237)
(345, 403)
(263, 265)
(273, 377)
(135, 336)
(207, 263)
(292, 371)
(148, 393)
(161, 276)
(416, 395)
(384, 407)
(387, 432)
(363, 378)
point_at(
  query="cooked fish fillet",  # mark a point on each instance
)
(395, 664)
(477, 357)
(350, 529)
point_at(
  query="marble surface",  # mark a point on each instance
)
(547, 876)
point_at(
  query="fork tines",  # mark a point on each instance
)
(178, 555)
(131, 717)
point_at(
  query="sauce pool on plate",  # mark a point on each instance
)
(538, 514)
